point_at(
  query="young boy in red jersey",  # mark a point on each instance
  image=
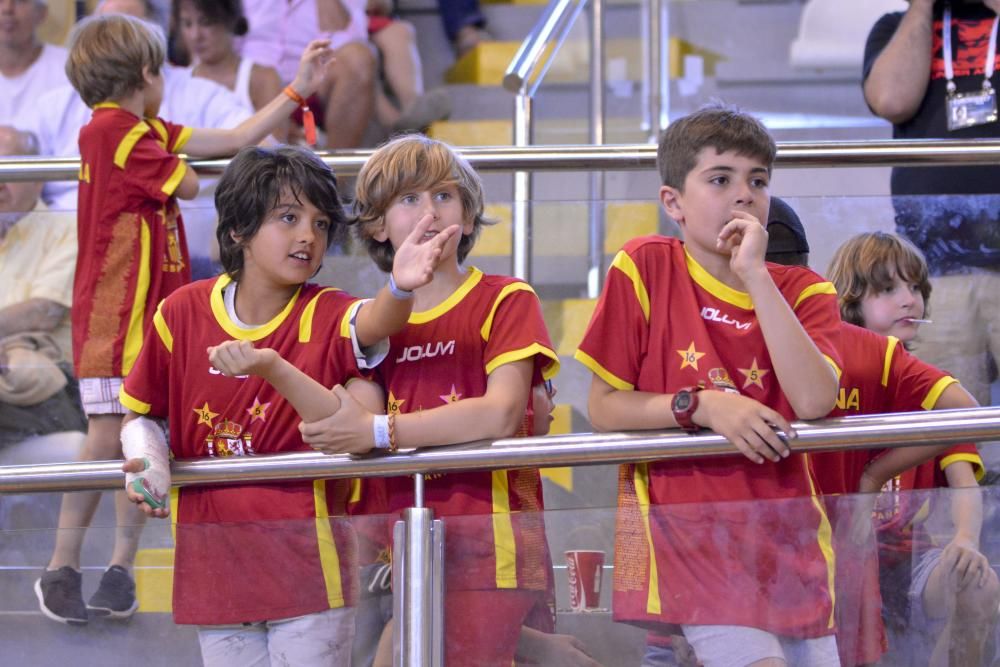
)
(481, 344)
(708, 335)
(880, 376)
(132, 254)
(928, 592)
(261, 568)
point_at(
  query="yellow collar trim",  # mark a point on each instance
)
(222, 317)
(716, 287)
(423, 317)
(107, 105)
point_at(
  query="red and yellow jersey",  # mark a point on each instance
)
(495, 537)
(254, 551)
(682, 555)
(132, 250)
(879, 376)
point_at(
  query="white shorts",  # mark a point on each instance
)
(738, 646)
(99, 396)
(323, 638)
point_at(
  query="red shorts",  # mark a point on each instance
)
(377, 22)
(482, 627)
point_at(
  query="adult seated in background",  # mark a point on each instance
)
(38, 394)
(464, 24)
(932, 72)
(187, 100)
(206, 29)
(28, 67)
(402, 77)
(279, 31)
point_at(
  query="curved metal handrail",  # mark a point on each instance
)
(791, 155)
(864, 432)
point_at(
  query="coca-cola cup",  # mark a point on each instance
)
(584, 569)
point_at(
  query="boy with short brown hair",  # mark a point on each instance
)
(708, 335)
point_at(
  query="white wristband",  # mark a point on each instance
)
(143, 438)
(397, 291)
(380, 428)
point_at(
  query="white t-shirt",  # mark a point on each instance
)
(21, 94)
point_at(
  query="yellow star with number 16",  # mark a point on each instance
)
(205, 414)
(393, 404)
(754, 374)
(690, 357)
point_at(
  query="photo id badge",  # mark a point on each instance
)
(971, 109)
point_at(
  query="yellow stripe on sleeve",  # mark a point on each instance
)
(181, 141)
(128, 143)
(887, 362)
(641, 481)
(160, 129)
(504, 293)
(935, 393)
(345, 324)
(133, 403)
(306, 320)
(328, 557)
(624, 263)
(133, 336)
(974, 459)
(813, 290)
(175, 178)
(549, 371)
(504, 546)
(162, 329)
(602, 372)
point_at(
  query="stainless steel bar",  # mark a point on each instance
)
(418, 490)
(616, 157)
(398, 589)
(521, 71)
(646, 55)
(906, 429)
(437, 593)
(417, 618)
(521, 222)
(596, 222)
(663, 85)
(655, 63)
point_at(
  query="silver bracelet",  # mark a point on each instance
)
(397, 291)
(380, 429)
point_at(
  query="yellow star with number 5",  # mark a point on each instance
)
(754, 374)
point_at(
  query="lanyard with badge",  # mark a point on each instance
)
(969, 109)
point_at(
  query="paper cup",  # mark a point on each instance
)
(584, 569)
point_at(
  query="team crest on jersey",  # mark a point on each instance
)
(719, 377)
(888, 502)
(228, 439)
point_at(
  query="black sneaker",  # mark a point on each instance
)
(115, 595)
(60, 596)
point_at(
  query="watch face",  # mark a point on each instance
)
(682, 400)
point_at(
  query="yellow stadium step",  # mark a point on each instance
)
(154, 580)
(486, 63)
(559, 228)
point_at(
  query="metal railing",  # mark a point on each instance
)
(418, 567)
(862, 432)
(523, 77)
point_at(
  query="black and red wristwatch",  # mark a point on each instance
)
(683, 405)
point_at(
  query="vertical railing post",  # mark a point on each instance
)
(521, 232)
(597, 218)
(417, 607)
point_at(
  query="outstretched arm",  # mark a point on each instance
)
(218, 142)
